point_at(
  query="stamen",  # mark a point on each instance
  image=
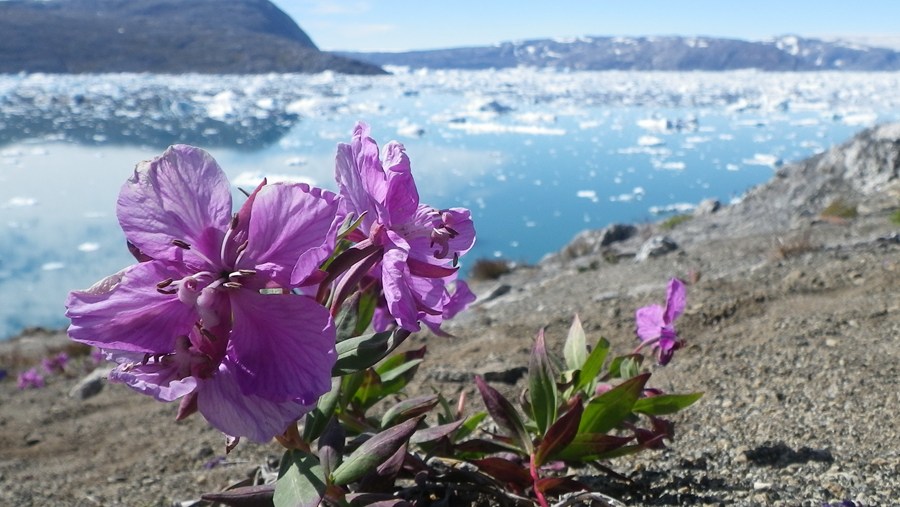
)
(181, 244)
(455, 259)
(232, 285)
(234, 221)
(167, 292)
(165, 283)
(208, 335)
(247, 272)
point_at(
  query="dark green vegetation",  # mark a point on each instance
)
(164, 36)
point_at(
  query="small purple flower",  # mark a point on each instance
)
(656, 325)
(410, 248)
(30, 379)
(55, 364)
(209, 314)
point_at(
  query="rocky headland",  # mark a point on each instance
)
(792, 332)
(160, 36)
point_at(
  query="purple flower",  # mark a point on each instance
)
(30, 379)
(410, 248)
(656, 325)
(209, 315)
(55, 364)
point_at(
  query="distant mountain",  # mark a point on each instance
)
(166, 36)
(787, 53)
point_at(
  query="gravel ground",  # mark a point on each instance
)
(792, 325)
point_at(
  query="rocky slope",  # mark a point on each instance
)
(787, 53)
(162, 36)
(792, 326)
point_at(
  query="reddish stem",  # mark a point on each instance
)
(534, 479)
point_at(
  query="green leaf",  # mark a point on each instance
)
(469, 426)
(589, 446)
(665, 403)
(301, 481)
(358, 353)
(608, 410)
(504, 414)
(331, 446)
(575, 349)
(593, 364)
(621, 363)
(542, 386)
(374, 452)
(561, 433)
(317, 418)
(408, 408)
(366, 310)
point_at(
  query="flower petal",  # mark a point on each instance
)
(399, 298)
(182, 195)
(222, 403)
(157, 379)
(649, 322)
(282, 346)
(402, 198)
(676, 298)
(360, 177)
(292, 228)
(126, 312)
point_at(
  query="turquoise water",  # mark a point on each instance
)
(533, 176)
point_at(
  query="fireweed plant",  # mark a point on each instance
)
(282, 320)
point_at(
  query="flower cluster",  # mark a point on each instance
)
(232, 311)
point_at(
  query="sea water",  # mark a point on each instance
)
(537, 156)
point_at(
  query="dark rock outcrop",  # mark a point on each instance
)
(164, 36)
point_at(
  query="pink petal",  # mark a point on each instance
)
(395, 281)
(402, 197)
(222, 403)
(359, 175)
(676, 298)
(126, 312)
(182, 195)
(649, 322)
(158, 380)
(292, 227)
(282, 345)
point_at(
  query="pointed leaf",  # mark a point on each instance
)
(361, 352)
(561, 433)
(608, 410)
(587, 446)
(557, 485)
(504, 414)
(317, 418)
(301, 481)
(331, 446)
(408, 408)
(374, 452)
(665, 403)
(504, 471)
(435, 432)
(246, 496)
(469, 426)
(616, 366)
(575, 350)
(590, 370)
(542, 386)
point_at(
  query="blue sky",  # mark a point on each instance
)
(398, 25)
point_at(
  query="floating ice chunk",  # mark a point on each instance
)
(52, 266)
(588, 124)
(249, 180)
(650, 141)
(88, 247)
(764, 159)
(410, 130)
(732, 167)
(858, 119)
(535, 117)
(655, 124)
(678, 207)
(587, 194)
(669, 166)
(295, 161)
(20, 202)
(222, 106)
(497, 128)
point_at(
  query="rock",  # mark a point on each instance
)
(655, 247)
(90, 385)
(707, 207)
(591, 241)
